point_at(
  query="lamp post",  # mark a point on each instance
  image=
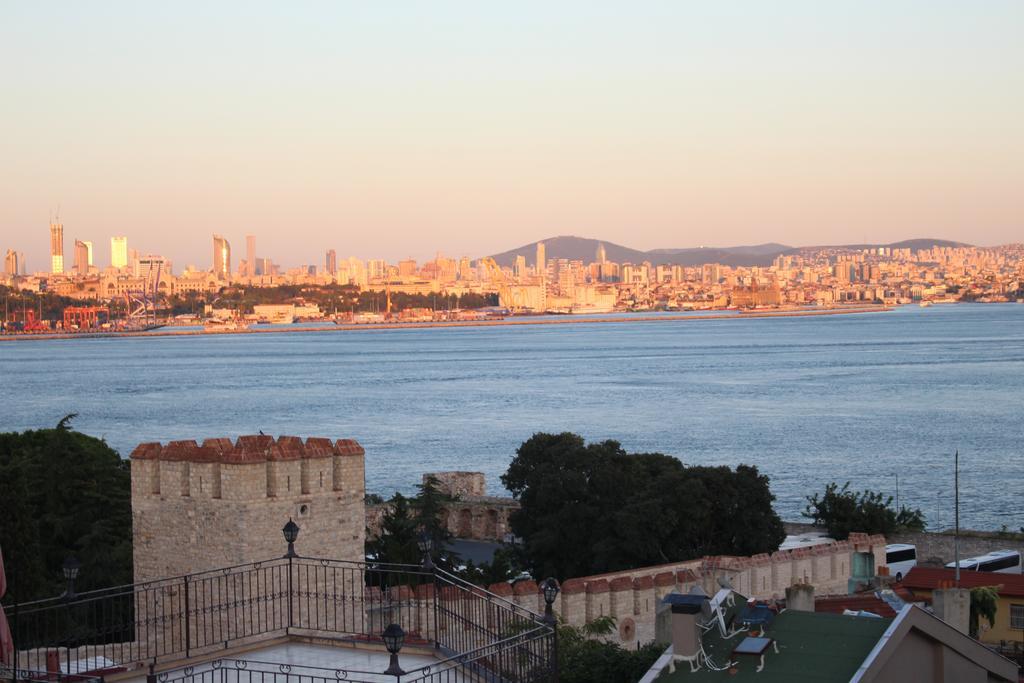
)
(549, 587)
(426, 545)
(393, 637)
(71, 567)
(291, 533)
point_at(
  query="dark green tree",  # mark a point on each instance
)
(63, 492)
(430, 512)
(842, 511)
(590, 508)
(396, 543)
(582, 658)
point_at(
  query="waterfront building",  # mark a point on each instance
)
(56, 247)
(221, 258)
(119, 252)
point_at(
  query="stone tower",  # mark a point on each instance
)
(201, 507)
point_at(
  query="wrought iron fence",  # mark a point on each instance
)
(31, 676)
(200, 614)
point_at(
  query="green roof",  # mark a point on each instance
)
(813, 646)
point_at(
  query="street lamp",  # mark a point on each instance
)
(426, 544)
(291, 532)
(393, 638)
(550, 589)
(70, 568)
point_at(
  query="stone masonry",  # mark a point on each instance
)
(201, 507)
(473, 515)
(632, 596)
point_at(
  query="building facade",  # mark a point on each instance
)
(221, 257)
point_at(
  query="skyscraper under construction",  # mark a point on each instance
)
(56, 247)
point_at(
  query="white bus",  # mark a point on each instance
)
(1000, 561)
(900, 558)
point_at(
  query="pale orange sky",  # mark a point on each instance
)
(471, 128)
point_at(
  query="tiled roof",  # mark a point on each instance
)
(252, 448)
(855, 603)
(930, 578)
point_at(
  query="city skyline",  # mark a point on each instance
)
(118, 254)
(391, 133)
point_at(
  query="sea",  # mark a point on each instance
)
(879, 400)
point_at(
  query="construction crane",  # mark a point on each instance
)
(141, 302)
(497, 277)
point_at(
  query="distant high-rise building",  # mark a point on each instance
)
(57, 247)
(151, 266)
(376, 269)
(250, 255)
(119, 252)
(332, 262)
(465, 269)
(602, 256)
(221, 257)
(81, 256)
(542, 260)
(11, 263)
(88, 245)
(407, 267)
(519, 270)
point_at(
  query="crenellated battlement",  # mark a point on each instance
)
(198, 505)
(632, 596)
(247, 449)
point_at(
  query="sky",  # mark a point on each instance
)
(389, 130)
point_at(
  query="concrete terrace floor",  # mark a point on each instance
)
(330, 658)
(813, 646)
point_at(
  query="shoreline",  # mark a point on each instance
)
(354, 327)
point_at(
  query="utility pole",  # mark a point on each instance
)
(956, 513)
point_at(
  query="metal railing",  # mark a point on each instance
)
(200, 614)
(31, 676)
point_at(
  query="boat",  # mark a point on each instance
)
(925, 304)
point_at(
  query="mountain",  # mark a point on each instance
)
(572, 248)
(585, 249)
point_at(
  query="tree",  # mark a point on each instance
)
(590, 508)
(584, 659)
(403, 522)
(396, 543)
(842, 511)
(984, 603)
(431, 513)
(63, 492)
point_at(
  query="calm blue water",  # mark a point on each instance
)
(808, 400)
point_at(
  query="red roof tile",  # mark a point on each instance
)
(930, 578)
(855, 603)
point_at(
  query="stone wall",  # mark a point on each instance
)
(473, 516)
(937, 547)
(632, 596)
(200, 507)
(460, 484)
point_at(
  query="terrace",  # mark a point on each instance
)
(287, 620)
